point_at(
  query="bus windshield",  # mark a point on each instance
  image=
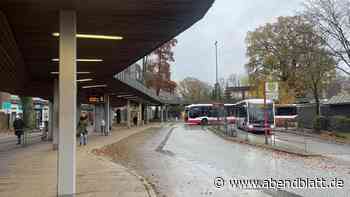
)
(286, 111)
(256, 113)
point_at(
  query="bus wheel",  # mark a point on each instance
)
(204, 122)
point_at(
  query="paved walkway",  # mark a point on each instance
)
(32, 171)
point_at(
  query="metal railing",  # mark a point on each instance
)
(300, 145)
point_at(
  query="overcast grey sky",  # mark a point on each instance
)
(227, 21)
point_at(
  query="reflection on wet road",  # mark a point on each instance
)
(184, 161)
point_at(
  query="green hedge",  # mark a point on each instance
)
(340, 123)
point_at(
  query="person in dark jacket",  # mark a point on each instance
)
(18, 125)
(82, 130)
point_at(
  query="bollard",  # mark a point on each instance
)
(24, 138)
(246, 136)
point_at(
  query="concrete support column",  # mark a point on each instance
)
(99, 115)
(128, 114)
(55, 114)
(50, 126)
(166, 113)
(150, 113)
(68, 104)
(139, 115)
(107, 114)
(145, 112)
(111, 115)
(161, 114)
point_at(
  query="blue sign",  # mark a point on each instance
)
(6, 105)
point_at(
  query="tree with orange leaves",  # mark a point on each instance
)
(158, 68)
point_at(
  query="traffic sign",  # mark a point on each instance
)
(272, 90)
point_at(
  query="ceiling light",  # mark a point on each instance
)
(91, 36)
(83, 80)
(56, 73)
(81, 60)
(125, 95)
(94, 86)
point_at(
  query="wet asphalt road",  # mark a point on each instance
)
(181, 161)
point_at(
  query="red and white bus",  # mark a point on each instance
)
(251, 115)
(286, 114)
(203, 114)
(248, 114)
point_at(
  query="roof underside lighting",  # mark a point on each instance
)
(81, 60)
(56, 73)
(126, 95)
(95, 86)
(84, 80)
(91, 36)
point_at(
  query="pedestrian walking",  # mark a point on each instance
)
(103, 127)
(18, 125)
(82, 130)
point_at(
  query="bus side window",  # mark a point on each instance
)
(205, 111)
(194, 113)
(213, 112)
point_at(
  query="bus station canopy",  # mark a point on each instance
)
(124, 31)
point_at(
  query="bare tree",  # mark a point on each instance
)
(319, 67)
(331, 18)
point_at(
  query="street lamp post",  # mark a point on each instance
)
(216, 84)
(216, 63)
(265, 113)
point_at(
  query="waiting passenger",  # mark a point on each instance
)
(82, 130)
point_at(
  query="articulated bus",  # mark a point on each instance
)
(248, 114)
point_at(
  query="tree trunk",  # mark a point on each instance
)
(317, 100)
(28, 112)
